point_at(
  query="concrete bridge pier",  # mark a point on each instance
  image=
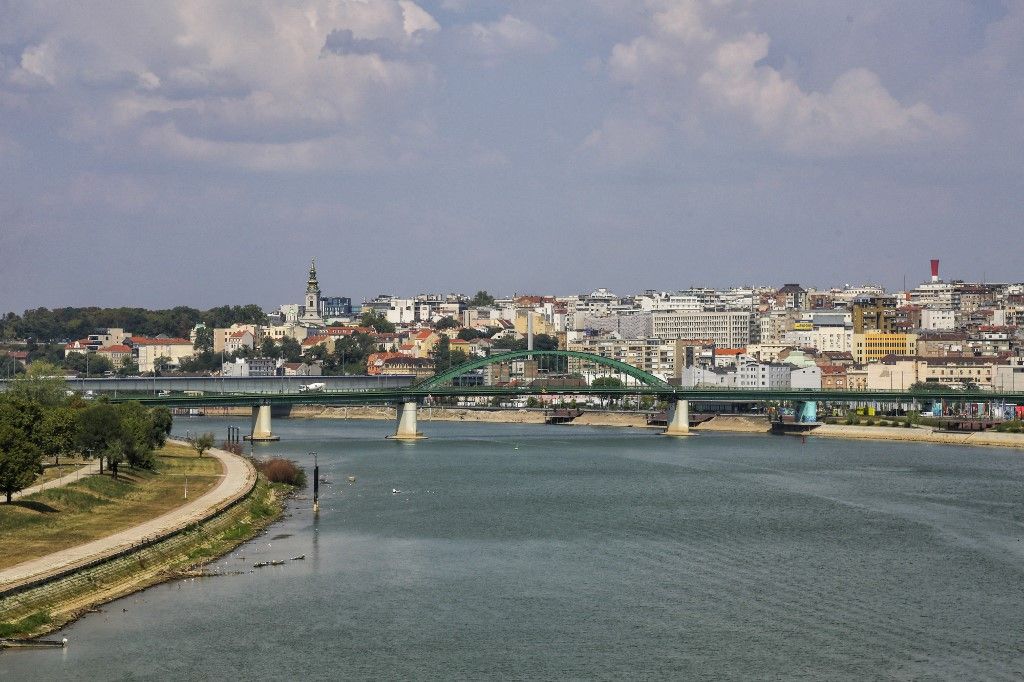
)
(407, 429)
(806, 411)
(261, 424)
(678, 418)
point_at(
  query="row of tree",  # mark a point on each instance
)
(66, 324)
(39, 420)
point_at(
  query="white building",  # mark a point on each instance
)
(167, 352)
(753, 374)
(704, 377)
(821, 339)
(729, 329)
(939, 319)
(805, 377)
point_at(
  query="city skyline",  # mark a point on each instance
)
(160, 155)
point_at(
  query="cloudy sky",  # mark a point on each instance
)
(199, 153)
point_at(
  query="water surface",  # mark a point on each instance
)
(533, 552)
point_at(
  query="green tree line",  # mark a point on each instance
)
(39, 420)
(43, 325)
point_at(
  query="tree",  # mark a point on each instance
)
(540, 342)
(482, 298)
(469, 334)
(20, 460)
(291, 349)
(129, 367)
(441, 354)
(96, 432)
(161, 421)
(136, 436)
(204, 339)
(269, 349)
(447, 323)
(43, 383)
(351, 352)
(606, 382)
(925, 386)
(9, 367)
(159, 364)
(91, 365)
(57, 433)
(315, 353)
(207, 361)
(20, 457)
(201, 442)
(376, 320)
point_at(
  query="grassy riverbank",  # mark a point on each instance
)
(98, 506)
(51, 606)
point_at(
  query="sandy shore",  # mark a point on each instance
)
(735, 423)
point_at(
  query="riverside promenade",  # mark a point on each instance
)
(238, 476)
(76, 475)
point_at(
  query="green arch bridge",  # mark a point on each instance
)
(636, 382)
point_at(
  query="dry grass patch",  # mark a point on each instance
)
(98, 506)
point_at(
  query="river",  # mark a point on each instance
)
(547, 552)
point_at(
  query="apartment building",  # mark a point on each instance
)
(168, 351)
(654, 356)
(872, 346)
(728, 329)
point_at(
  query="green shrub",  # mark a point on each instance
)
(870, 422)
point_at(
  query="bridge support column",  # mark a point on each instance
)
(806, 411)
(678, 418)
(261, 424)
(407, 429)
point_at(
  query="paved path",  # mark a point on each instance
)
(237, 479)
(76, 474)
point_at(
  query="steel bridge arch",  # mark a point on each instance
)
(643, 377)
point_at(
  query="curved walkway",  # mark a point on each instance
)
(237, 479)
(87, 470)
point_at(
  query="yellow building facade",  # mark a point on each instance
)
(872, 346)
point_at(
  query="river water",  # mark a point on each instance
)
(536, 552)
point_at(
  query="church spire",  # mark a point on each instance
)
(312, 286)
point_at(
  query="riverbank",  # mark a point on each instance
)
(920, 435)
(87, 507)
(48, 607)
(723, 423)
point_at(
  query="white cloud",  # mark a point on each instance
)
(237, 83)
(695, 67)
(505, 36)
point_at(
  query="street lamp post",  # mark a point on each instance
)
(316, 484)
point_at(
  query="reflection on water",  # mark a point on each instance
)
(552, 552)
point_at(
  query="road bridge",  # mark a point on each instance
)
(470, 380)
(229, 385)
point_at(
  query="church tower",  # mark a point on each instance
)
(311, 307)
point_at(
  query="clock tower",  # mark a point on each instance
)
(311, 307)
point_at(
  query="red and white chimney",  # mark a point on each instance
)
(935, 269)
